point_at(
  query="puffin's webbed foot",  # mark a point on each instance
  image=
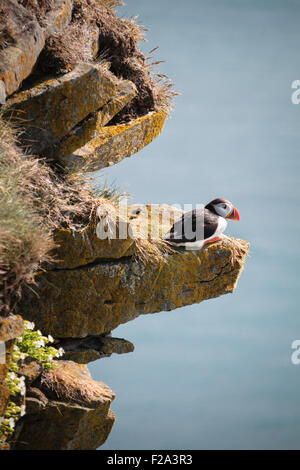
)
(212, 240)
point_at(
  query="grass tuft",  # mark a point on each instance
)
(239, 249)
(34, 201)
(59, 383)
(152, 250)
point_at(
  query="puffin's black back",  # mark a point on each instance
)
(198, 224)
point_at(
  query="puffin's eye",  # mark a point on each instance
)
(224, 206)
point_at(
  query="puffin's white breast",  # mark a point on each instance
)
(222, 224)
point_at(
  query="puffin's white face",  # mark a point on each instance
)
(223, 208)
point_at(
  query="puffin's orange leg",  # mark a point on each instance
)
(216, 239)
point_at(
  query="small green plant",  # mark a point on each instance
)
(30, 344)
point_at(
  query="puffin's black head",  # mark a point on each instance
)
(223, 208)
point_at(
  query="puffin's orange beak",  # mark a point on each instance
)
(234, 214)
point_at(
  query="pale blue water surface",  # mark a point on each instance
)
(218, 375)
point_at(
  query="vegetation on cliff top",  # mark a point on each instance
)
(116, 48)
(34, 201)
(35, 198)
(38, 197)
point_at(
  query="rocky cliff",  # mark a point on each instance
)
(81, 97)
(99, 284)
(68, 409)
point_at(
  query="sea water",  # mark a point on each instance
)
(219, 375)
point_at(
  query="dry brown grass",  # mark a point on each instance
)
(88, 10)
(59, 384)
(64, 50)
(163, 87)
(34, 201)
(38, 8)
(152, 250)
(164, 93)
(239, 249)
(23, 241)
(149, 248)
(111, 4)
(133, 29)
(118, 40)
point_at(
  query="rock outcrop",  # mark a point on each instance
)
(24, 38)
(91, 348)
(91, 293)
(65, 116)
(52, 108)
(66, 410)
(112, 144)
(65, 119)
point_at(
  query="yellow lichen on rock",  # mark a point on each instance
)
(28, 39)
(114, 143)
(59, 16)
(125, 92)
(92, 126)
(78, 248)
(63, 107)
(52, 108)
(95, 292)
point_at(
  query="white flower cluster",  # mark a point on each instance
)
(39, 343)
(10, 422)
(60, 352)
(21, 355)
(12, 416)
(23, 412)
(22, 385)
(31, 343)
(29, 325)
(16, 383)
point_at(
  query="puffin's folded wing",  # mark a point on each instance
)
(193, 226)
(183, 229)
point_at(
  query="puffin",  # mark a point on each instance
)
(200, 227)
